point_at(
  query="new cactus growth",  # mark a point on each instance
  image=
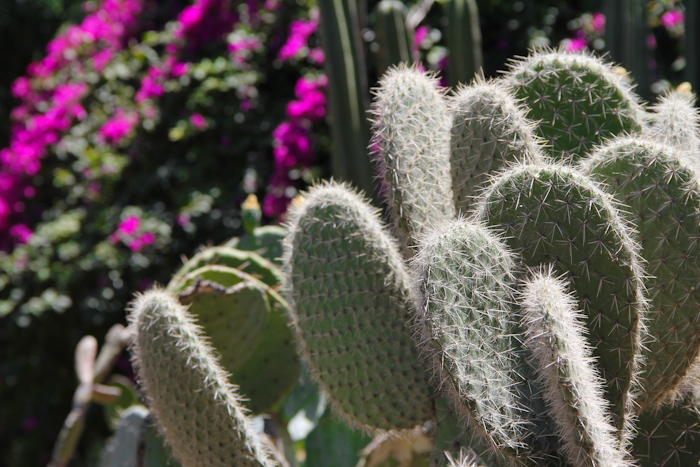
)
(554, 333)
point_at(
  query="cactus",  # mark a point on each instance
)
(661, 191)
(199, 411)
(393, 35)
(555, 215)
(489, 132)
(340, 298)
(554, 333)
(676, 121)
(466, 276)
(563, 188)
(411, 134)
(578, 100)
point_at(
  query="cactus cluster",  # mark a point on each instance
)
(532, 301)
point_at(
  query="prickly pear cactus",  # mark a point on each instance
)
(412, 128)
(552, 215)
(578, 100)
(661, 192)
(490, 131)
(352, 301)
(199, 411)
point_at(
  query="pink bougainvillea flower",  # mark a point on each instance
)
(21, 233)
(598, 23)
(672, 18)
(198, 121)
(130, 225)
(576, 44)
(118, 127)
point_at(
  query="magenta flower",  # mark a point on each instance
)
(598, 23)
(299, 33)
(576, 44)
(130, 225)
(21, 233)
(118, 127)
(198, 121)
(672, 18)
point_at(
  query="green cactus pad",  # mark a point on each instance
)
(412, 134)
(554, 334)
(271, 370)
(123, 448)
(489, 131)
(555, 216)
(351, 294)
(199, 411)
(234, 318)
(467, 319)
(661, 192)
(246, 261)
(676, 122)
(578, 100)
(265, 241)
(669, 437)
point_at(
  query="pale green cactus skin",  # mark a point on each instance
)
(199, 411)
(352, 311)
(490, 131)
(412, 125)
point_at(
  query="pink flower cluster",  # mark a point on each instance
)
(205, 21)
(293, 140)
(297, 45)
(47, 110)
(672, 18)
(132, 235)
(118, 127)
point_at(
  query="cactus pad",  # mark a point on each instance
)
(555, 216)
(412, 131)
(198, 410)
(352, 299)
(577, 99)
(661, 191)
(489, 132)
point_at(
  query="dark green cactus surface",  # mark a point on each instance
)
(578, 100)
(555, 216)
(661, 192)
